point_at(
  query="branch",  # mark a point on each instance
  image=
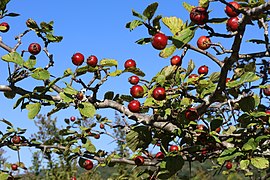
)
(141, 118)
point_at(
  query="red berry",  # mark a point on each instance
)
(139, 160)
(218, 130)
(160, 155)
(137, 91)
(267, 112)
(34, 48)
(16, 139)
(80, 96)
(232, 24)
(176, 60)
(159, 93)
(230, 12)
(192, 114)
(134, 106)
(228, 79)
(72, 118)
(73, 178)
(92, 61)
(204, 151)
(201, 127)
(199, 15)
(14, 167)
(133, 80)
(77, 59)
(266, 91)
(228, 165)
(88, 164)
(174, 148)
(203, 42)
(5, 25)
(203, 70)
(97, 136)
(159, 41)
(130, 63)
(101, 126)
(193, 76)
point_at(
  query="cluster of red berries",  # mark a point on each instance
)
(78, 59)
(232, 23)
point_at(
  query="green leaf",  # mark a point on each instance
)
(7, 122)
(13, 57)
(139, 137)
(82, 70)
(260, 162)
(87, 109)
(89, 146)
(257, 41)
(228, 154)
(108, 62)
(156, 23)
(53, 38)
(116, 73)
(40, 74)
(173, 23)
(135, 71)
(249, 77)
(70, 90)
(244, 164)
(216, 123)
(150, 10)
(170, 166)
(12, 14)
(168, 51)
(33, 110)
(143, 41)
(4, 175)
(187, 6)
(136, 14)
(30, 63)
(250, 145)
(204, 3)
(180, 39)
(259, 138)
(109, 95)
(3, 4)
(134, 24)
(247, 104)
(217, 20)
(190, 68)
(57, 108)
(161, 79)
(67, 72)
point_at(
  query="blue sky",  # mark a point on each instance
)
(95, 27)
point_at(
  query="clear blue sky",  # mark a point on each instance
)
(94, 27)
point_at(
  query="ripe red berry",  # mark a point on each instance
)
(173, 148)
(199, 15)
(77, 59)
(14, 167)
(218, 130)
(34, 48)
(228, 165)
(159, 93)
(80, 96)
(101, 126)
(159, 41)
(232, 24)
(134, 106)
(204, 151)
(191, 114)
(133, 80)
(266, 91)
(88, 164)
(130, 63)
(203, 42)
(16, 139)
(139, 160)
(203, 70)
(92, 61)
(97, 136)
(72, 118)
(230, 12)
(5, 25)
(228, 80)
(137, 91)
(193, 76)
(176, 60)
(73, 178)
(160, 155)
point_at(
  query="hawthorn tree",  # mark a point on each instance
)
(189, 114)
